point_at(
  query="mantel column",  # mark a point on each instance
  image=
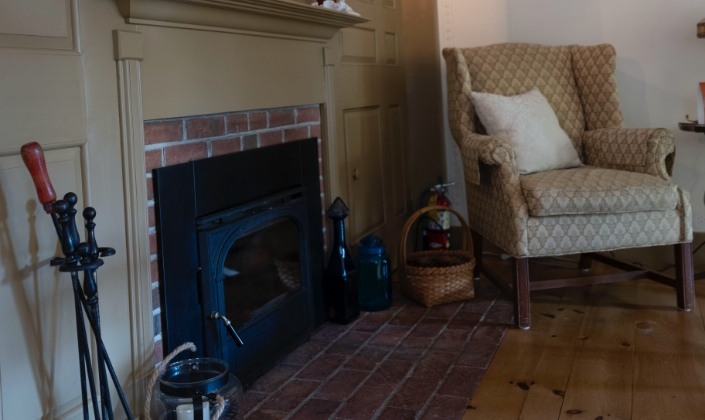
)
(129, 55)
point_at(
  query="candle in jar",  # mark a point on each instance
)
(185, 411)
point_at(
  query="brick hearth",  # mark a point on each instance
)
(407, 362)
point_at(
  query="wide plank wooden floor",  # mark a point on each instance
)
(615, 351)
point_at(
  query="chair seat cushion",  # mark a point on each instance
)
(589, 190)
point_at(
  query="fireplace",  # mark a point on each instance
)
(239, 240)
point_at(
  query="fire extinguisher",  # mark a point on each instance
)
(436, 234)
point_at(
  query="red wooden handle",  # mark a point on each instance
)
(33, 157)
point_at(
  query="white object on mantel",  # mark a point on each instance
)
(338, 5)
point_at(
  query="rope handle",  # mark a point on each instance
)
(418, 213)
(162, 367)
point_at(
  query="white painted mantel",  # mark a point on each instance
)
(268, 17)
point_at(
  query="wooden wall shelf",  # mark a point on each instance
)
(281, 18)
(696, 128)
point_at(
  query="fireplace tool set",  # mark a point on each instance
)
(188, 389)
(79, 257)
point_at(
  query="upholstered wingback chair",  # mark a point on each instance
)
(621, 197)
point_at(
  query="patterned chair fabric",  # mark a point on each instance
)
(593, 190)
(621, 198)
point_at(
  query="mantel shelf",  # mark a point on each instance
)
(280, 18)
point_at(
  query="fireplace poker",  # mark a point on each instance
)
(79, 257)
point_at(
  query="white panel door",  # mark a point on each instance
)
(367, 140)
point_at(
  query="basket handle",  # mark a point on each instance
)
(418, 213)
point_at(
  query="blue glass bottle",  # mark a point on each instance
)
(374, 285)
(341, 275)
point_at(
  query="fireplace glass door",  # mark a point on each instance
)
(255, 272)
(260, 270)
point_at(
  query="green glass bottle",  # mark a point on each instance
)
(341, 274)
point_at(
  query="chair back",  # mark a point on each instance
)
(578, 82)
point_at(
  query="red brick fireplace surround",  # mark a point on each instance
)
(178, 140)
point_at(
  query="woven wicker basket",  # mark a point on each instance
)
(435, 277)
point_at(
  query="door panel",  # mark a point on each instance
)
(38, 24)
(367, 135)
(391, 50)
(65, 98)
(38, 359)
(43, 100)
(396, 179)
(359, 46)
(362, 138)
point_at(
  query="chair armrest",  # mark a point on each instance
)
(494, 192)
(477, 149)
(647, 150)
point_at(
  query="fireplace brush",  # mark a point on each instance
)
(79, 257)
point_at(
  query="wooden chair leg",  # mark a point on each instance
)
(477, 252)
(522, 303)
(685, 288)
(585, 262)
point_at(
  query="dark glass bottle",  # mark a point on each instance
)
(341, 275)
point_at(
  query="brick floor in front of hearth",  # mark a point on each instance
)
(407, 362)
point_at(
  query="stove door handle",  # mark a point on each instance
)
(228, 326)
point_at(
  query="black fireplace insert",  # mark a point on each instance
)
(240, 245)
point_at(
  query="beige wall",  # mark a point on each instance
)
(81, 86)
(660, 59)
(59, 89)
(423, 82)
(80, 81)
(60, 86)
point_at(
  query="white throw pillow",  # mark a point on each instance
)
(529, 124)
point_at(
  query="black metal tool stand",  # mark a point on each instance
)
(85, 257)
(79, 257)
